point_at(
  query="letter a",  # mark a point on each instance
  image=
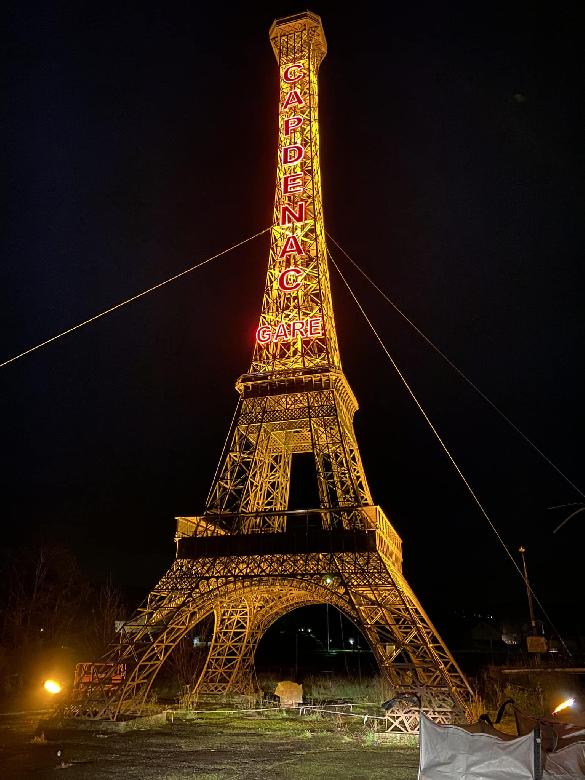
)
(280, 333)
(291, 247)
(293, 99)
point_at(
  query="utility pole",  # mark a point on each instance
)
(522, 550)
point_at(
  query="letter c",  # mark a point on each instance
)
(289, 280)
(293, 73)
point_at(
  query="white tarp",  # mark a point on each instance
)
(449, 752)
(567, 763)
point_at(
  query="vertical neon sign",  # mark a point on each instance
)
(296, 328)
(293, 184)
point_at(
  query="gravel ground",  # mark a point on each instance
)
(212, 746)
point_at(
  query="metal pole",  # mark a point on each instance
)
(522, 550)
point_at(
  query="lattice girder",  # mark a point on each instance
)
(298, 42)
(270, 429)
(247, 559)
(257, 592)
(261, 605)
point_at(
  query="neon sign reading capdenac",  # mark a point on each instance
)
(290, 279)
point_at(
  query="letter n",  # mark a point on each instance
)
(288, 215)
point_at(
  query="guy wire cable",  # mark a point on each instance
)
(447, 451)
(449, 362)
(575, 512)
(132, 298)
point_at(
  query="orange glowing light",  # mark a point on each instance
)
(563, 706)
(52, 686)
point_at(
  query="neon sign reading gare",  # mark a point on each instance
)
(290, 278)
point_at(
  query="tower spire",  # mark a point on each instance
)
(297, 328)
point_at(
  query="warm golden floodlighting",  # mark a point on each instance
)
(563, 706)
(52, 686)
(248, 559)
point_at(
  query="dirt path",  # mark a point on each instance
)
(212, 747)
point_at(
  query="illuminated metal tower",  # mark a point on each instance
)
(248, 560)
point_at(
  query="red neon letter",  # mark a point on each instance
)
(263, 334)
(292, 154)
(288, 215)
(289, 281)
(280, 332)
(292, 183)
(293, 73)
(293, 99)
(315, 326)
(292, 123)
(291, 247)
(298, 327)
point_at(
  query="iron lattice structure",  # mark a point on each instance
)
(248, 560)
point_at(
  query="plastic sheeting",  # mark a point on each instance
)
(557, 732)
(567, 763)
(449, 752)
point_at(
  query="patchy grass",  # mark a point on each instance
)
(369, 739)
(214, 745)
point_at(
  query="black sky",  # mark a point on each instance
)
(140, 138)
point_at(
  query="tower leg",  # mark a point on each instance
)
(230, 663)
(410, 652)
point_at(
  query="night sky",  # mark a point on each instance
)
(140, 138)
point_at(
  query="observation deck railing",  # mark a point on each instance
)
(344, 529)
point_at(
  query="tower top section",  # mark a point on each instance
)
(296, 331)
(307, 22)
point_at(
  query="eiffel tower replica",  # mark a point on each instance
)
(248, 560)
